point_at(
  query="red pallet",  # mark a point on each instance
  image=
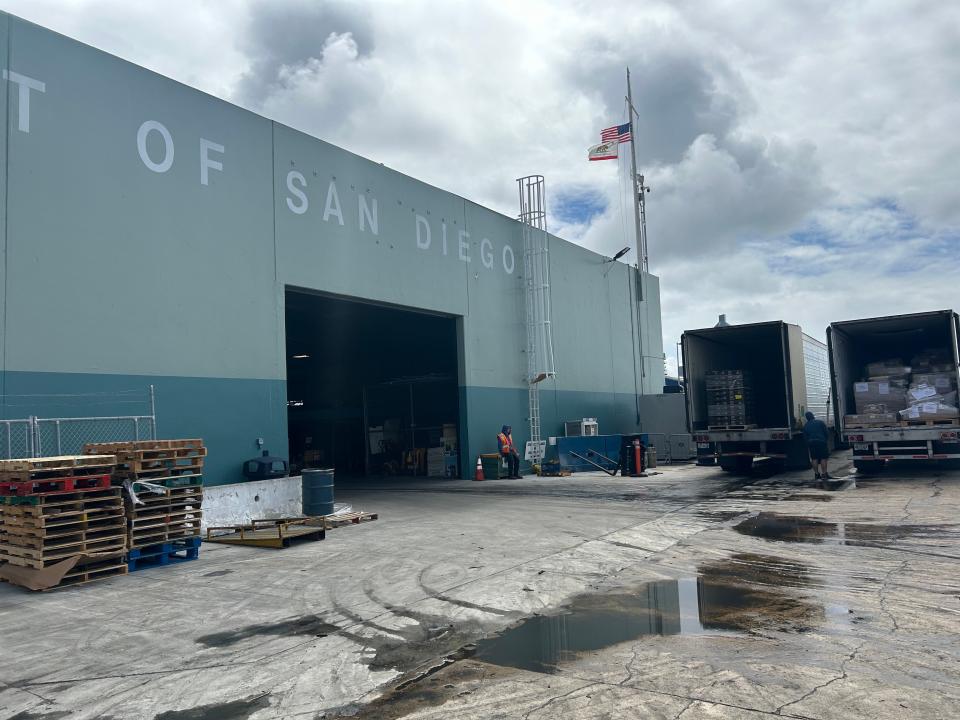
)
(50, 486)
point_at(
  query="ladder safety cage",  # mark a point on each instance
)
(536, 278)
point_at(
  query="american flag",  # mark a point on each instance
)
(617, 133)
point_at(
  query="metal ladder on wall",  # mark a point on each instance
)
(536, 279)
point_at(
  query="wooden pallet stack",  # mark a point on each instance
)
(163, 495)
(61, 522)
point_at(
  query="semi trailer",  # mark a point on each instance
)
(748, 388)
(895, 382)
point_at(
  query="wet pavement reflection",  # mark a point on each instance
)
(791, 528)
(541, 643)
(738, 595)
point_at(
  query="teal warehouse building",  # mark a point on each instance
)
(276, 291)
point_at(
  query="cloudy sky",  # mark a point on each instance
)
(804, 158)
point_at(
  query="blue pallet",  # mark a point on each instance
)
(167, 553)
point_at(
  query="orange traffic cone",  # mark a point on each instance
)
(478, 475)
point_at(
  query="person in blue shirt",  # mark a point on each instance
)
(818, 437)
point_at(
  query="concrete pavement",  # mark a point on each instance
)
(721, 598)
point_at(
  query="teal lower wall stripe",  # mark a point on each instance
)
(231, 414)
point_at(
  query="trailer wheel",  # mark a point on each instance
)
(868, 467)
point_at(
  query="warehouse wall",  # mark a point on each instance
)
(119, 276)
(4, 45)
(152, 229)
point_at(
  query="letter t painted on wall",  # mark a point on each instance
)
(25, 85)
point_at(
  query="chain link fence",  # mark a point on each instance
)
(44, 437)
(16, 439)
(67, 436)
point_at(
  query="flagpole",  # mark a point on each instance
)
(637, 186)
(641, 237)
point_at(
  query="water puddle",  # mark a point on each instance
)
(741, 594)
(791, 528)
(541, 643)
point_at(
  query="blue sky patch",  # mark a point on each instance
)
(880, 230)
(813, 235)
(578, 208)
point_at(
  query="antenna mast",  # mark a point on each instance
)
(639, 189)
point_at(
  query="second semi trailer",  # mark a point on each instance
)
(748, 387)
(895, 380)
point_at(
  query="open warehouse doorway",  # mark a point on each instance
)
(372, 390)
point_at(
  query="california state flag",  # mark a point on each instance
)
(603, 151)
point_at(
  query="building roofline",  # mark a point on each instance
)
(254, 113)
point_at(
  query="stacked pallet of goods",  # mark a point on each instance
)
(730, 403)
(435, 462)
(61, 522)
(162, 484)
(924, 392)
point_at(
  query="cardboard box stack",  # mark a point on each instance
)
(882, 395)
(435, 466)
(729, 398)
(894, 391)
(932, 394)
(440, 458)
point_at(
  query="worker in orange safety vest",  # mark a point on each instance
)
(509, 452)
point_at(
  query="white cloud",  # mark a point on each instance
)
(802, 156)
(336, 83)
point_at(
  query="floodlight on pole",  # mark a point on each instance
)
(619, 255)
